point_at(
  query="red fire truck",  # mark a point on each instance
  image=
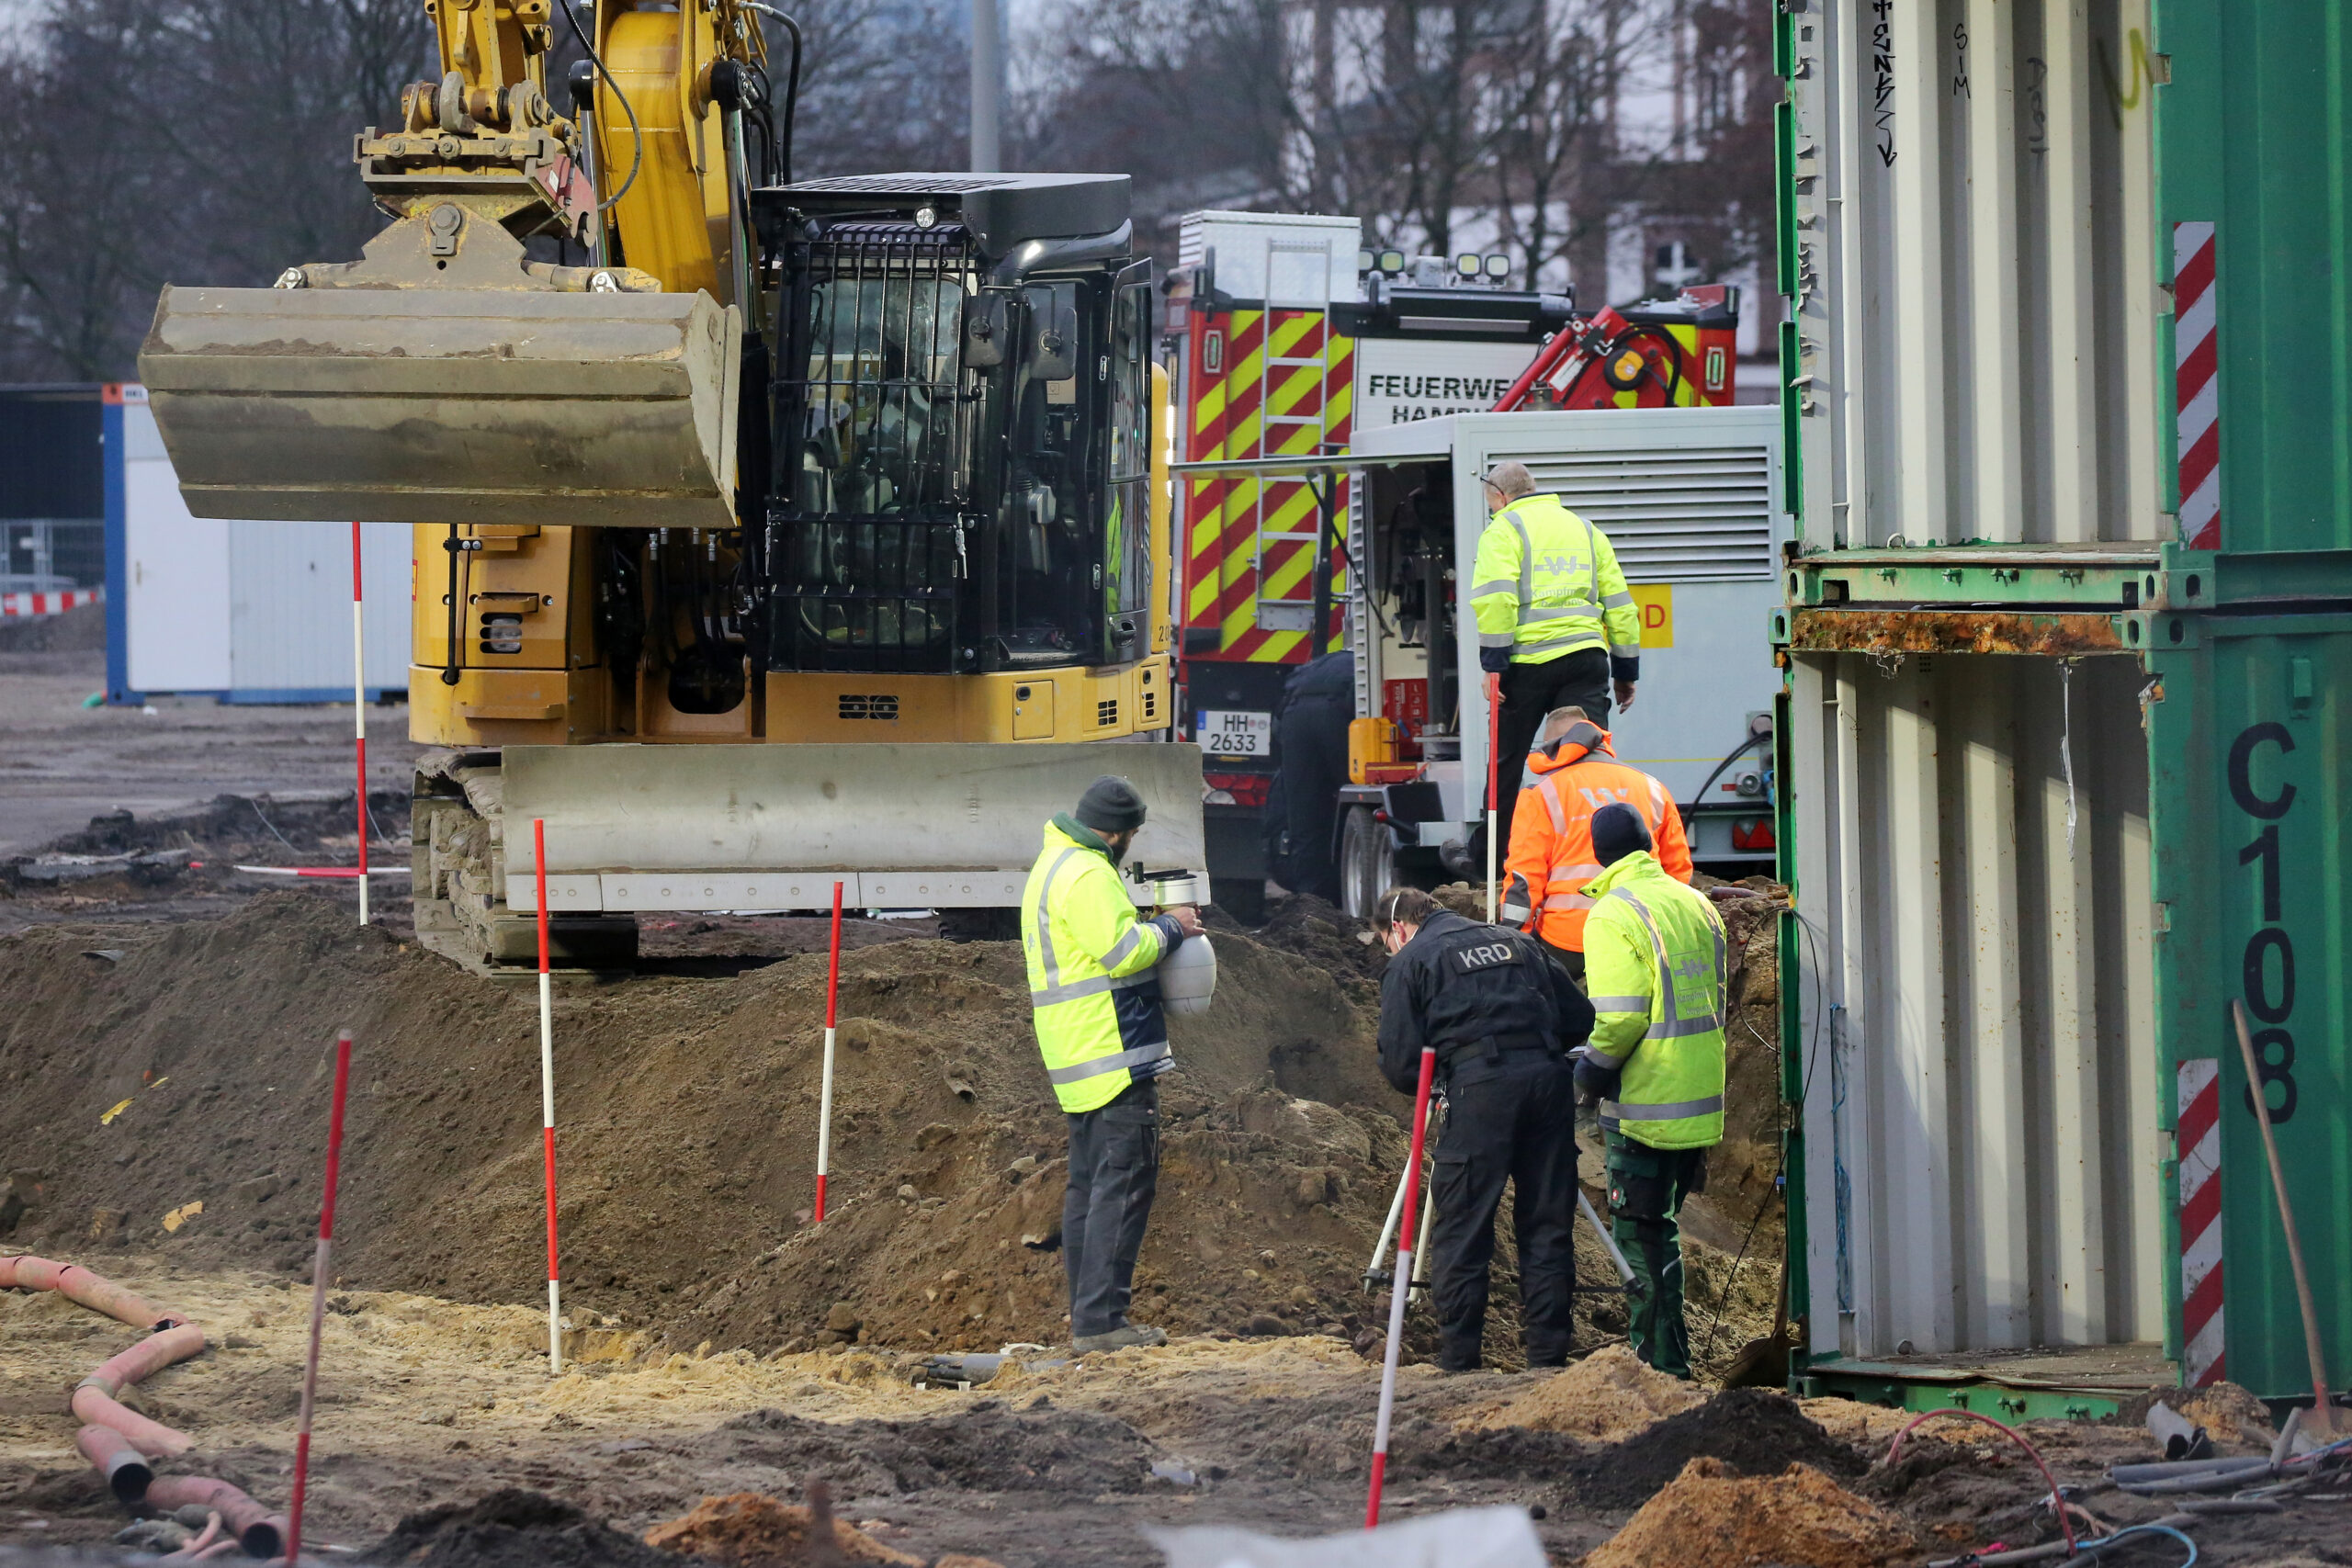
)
(1284, 338)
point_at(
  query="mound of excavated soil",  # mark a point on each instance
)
(688, 1129)
(686, 1111)
(749, 1530)
(512, 1529)
(1709, 1517)
(1607, 1395)
(1332, 941)
(1751, 1431)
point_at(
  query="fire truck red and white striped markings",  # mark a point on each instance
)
(2199, 1136)
(2196, 384)
(47, 603)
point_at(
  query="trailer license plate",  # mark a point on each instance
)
(1230, 733)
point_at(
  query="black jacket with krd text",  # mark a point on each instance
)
(1487, 997)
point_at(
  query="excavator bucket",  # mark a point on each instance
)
(449, 405)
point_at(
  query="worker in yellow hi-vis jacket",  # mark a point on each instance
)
(1655, 966)
(1094, 992)
(1556, 624)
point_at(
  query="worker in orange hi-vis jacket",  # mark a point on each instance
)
(1572, 773)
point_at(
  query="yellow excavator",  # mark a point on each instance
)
(767, 533)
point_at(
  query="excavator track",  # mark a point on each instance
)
(457, 828)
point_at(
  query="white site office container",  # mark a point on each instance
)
(1274, 258)
(1978, 361)
(250, 612)
(1976, 273)
(1690, 500)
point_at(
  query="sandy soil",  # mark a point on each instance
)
(426, 1402)
(424, 1399)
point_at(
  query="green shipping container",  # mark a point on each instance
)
(2250, 801)
(2252, 131)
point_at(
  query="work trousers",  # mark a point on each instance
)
(1530, 691)
(1114, 1172)
(1646, 1188)
(1311, 742)
(1515, 1125)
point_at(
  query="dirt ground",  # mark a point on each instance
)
(62, 763)
(426, 1402)
(166, 1029)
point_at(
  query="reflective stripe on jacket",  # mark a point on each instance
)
(1654, 964)
(1093, 976)
(1551, 832)
(1546, 583)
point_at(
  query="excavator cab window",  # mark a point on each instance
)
(1053, 490)
(868, 545)
(1127, 542)
(962, 465)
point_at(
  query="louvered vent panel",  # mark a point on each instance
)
(1675, 514)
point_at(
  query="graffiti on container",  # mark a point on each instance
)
(1882, 68)
(2139, 72)
(2271, 947)
(2037, 105)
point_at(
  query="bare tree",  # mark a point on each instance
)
(1485, 121)
(209, 142)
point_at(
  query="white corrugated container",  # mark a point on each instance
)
(1275, 258)
(252, 611)
(1976, 278)
(1982, 1152)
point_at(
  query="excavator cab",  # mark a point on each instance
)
(961, 421)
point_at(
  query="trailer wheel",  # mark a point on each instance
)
(1367, 862)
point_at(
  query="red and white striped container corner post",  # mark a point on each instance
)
(2197, 383)
(2198, 1132)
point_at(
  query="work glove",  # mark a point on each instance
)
(1595, 1082)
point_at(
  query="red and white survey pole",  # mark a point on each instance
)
(318, 1276)
(1400, 1286)
(547, 1095)
(825, 1085)
(1493, 774)
(359, 713)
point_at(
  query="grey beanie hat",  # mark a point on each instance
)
(1618, 830)
(1109, 806)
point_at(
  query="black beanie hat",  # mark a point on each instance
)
(1109, 806)
(1618, 830)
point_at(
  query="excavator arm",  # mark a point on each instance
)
(447, 375)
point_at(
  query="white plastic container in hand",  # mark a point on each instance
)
(1188, 976)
